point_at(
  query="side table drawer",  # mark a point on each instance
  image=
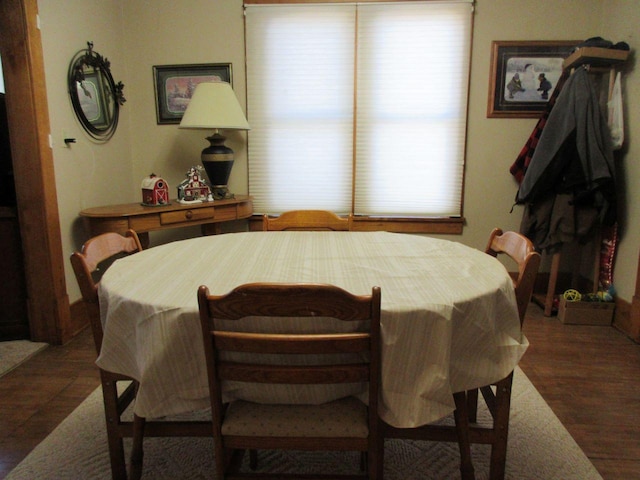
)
(187, 215)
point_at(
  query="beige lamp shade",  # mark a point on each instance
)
(214, 106)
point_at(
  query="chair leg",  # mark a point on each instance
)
(253, 459)
(137, 453)
(380, 462)
(472, 405)
(376, 464)
(461, 416)
(116, 456)
(114, 440)
(501, 428)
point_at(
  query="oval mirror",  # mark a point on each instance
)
(95, 97)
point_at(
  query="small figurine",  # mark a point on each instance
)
(194, 188)
(515, 85)
(155, 191)
(545, 86)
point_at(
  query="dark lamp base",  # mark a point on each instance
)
(217, 160)
(221, 192)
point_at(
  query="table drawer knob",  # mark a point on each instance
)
(188, 215)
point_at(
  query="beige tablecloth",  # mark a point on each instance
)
(449, 317)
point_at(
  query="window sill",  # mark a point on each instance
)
(450, 226)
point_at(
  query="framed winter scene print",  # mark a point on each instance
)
(524, 75)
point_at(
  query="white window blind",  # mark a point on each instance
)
(358, 106)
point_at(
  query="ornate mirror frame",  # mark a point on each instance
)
(95, 97)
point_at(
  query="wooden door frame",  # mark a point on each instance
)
(28, 114)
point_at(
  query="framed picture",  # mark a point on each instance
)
(523, 76)
(174, 86)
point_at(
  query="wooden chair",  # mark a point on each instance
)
(522, 253)
(96, 253)
(305, 220)
(498, 395)
(498, 399)
(346, 424)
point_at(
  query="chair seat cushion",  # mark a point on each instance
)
(346, 417)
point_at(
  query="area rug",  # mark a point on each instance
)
(539, 448)
(15, 352)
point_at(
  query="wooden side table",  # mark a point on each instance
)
(144, 219)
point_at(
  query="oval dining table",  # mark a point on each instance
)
(449, 319)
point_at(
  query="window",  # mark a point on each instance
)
(358, 108)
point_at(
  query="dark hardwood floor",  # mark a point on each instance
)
(589, 375)
(37, 395)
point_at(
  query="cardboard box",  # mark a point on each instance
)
(586, 313)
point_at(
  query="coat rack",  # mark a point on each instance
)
(597, 61)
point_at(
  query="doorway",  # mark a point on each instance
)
(14, 321)
(32, 160)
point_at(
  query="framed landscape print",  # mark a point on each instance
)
(174, 86)
(523, 76)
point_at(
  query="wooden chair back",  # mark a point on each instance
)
(313, 301)
(308, 220)
(87, 264)
(521, 250)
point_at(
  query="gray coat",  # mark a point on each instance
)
(569, 186)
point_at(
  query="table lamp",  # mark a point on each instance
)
(215, 106)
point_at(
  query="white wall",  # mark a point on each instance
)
(197, 31)
(87, 173)
(139, 34)
(494, 143)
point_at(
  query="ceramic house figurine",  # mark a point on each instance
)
(194, 187)
(155, 191)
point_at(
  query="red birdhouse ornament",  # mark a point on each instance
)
(155, 191)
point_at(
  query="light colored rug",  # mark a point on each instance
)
(539, 448)
(15, 352)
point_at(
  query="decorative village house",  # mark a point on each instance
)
(155, 191)
(194, 187)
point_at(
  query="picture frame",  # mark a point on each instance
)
(523, 76)
(174, 85)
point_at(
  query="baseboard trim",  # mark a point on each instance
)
(627, 318)
(78, 322)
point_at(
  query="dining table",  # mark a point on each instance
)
(449, 320)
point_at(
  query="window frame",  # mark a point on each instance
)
(430, 225)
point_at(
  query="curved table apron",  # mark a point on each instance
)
(449, 315)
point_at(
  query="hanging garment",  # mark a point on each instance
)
(519, 167)
(569, 185)
(616, 117)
